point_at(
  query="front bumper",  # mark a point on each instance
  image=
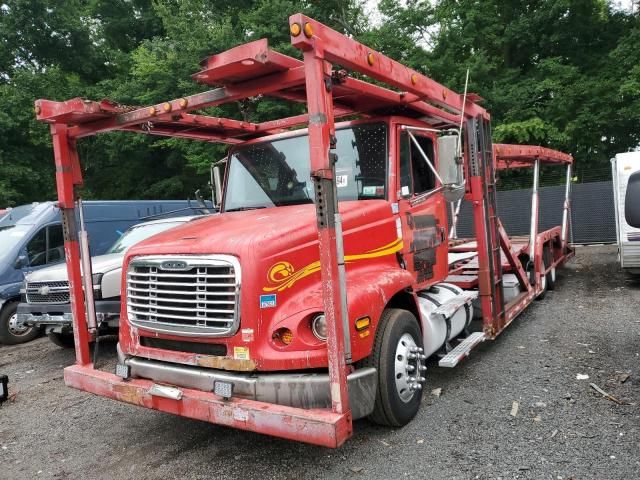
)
(318, 427)
(296, 389)
(60, 318)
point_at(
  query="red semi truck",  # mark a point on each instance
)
(332, 273)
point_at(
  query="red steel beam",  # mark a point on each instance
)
(218, 96)
(68, 177)
(321, 131)
(246, 61)
(353, 55)
(517, 156)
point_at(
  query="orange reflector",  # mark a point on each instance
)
(284, 335)
(183, 102)
(166, 106)
(152, 110)
(363, 323)
(295, 29)
(308, 30)
(414, 78)
(371, 59)
(38, 109)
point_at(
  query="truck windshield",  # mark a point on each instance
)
(10, 237)
(277, 173)
(138, 233)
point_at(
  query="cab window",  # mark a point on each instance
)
(415, 175)
(46, 246)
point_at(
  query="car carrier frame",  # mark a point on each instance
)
(254, 69)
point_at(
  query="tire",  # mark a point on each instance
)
(543, 280)
(62, 340)
(547, 255)
(398, 331)
(10, 332)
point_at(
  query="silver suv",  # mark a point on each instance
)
(46, 302)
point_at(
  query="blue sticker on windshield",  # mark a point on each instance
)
(268, 301)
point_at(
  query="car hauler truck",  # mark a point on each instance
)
(328, 279)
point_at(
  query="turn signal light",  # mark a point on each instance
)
(308, 30)
(284, 335)
(371, 59)
(363, 323)
(295, 29)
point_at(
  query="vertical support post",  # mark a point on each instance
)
(68, 176)
(566, 209)
(87, 281)
(533, 232)
(321, 140)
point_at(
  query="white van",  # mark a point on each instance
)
(623, 165)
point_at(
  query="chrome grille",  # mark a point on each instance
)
(48, 292)
(184, 295)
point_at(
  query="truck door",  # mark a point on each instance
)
(422, 208)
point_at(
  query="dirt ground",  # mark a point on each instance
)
(563, 428)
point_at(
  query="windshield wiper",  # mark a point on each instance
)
(242, 209)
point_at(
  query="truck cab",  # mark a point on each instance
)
(240, 292)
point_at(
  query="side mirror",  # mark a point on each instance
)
(21, 261)
(450, 167)
(632, 201)
(216, 176)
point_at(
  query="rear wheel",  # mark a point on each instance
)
(399, 361)
(63, 340)
(12, 332)
(543, 281)
(547, 255)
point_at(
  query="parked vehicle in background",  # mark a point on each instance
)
(632, 200)
(624, 165)
(31, 239)
(46, 303)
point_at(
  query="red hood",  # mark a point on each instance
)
(265, 232)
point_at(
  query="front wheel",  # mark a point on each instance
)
(12, 332)
(397, 356)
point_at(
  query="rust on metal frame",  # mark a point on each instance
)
(519, 156)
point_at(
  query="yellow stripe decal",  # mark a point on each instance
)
(282, 275)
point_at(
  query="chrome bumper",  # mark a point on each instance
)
(302, 390)
(60, 316)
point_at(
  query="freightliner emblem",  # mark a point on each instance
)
(174, 265)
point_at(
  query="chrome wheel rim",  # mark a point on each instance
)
(409, 366)
(16, 328)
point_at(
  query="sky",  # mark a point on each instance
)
(372, 10)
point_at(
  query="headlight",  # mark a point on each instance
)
(319, 326)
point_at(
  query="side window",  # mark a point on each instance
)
(37, 249)
(415, 175)
(55, 248)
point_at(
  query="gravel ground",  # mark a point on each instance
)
(563, 429)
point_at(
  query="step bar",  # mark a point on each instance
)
(462, 351)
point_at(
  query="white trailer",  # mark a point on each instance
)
(623, 165)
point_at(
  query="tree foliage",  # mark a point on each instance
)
(560, 73)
